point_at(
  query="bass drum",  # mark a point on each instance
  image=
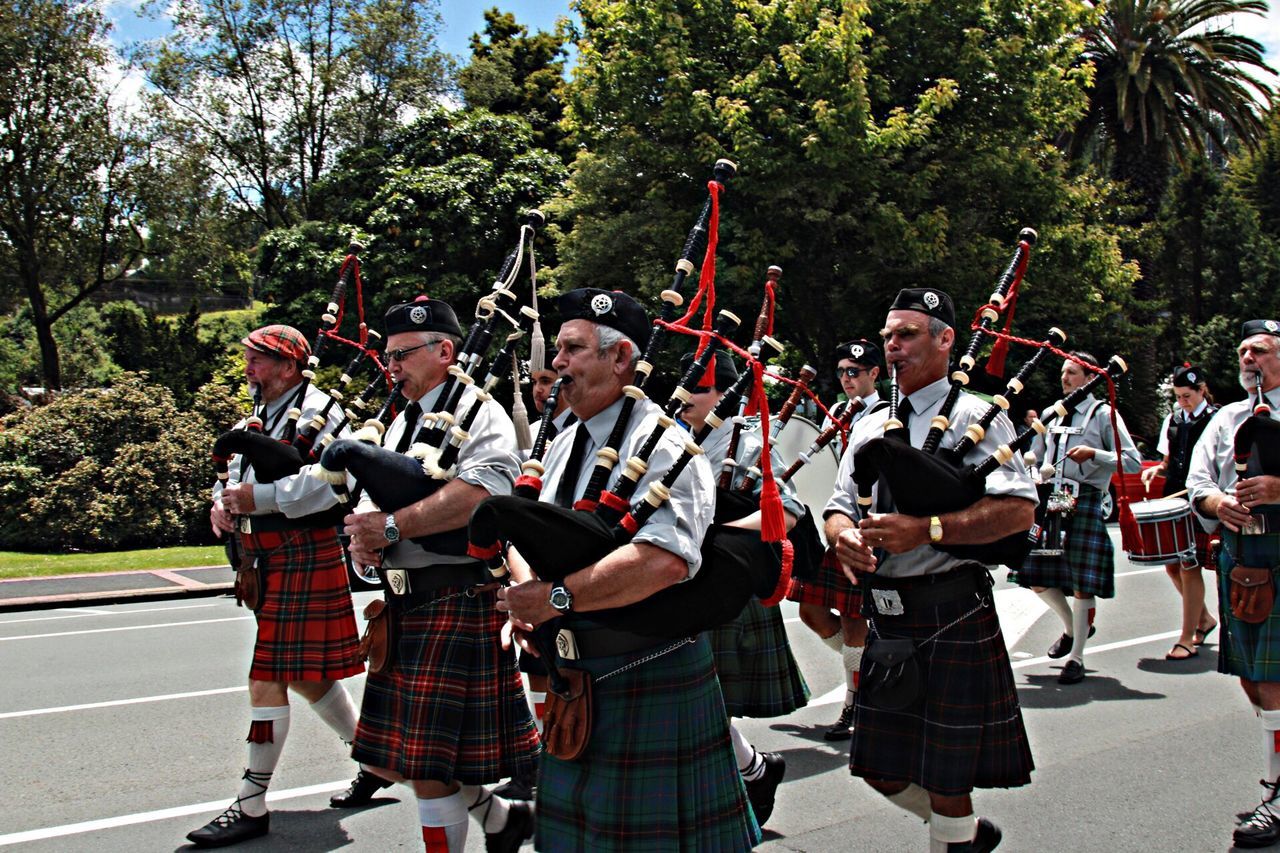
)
(815, 481)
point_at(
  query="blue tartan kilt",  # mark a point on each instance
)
(1247, 651)
(452, 706)
(967, 731)
(1088, 562)
(758, 674)
(659, 772)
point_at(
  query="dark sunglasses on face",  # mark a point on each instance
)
(402, 354)
(850, 372)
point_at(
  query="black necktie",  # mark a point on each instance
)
(905, 411)
(569, 477)
(411, 414)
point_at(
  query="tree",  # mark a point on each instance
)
(269, 90)
(67, 201)
(514, 73)
(880, 145)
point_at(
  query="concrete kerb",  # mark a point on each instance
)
(43, 593)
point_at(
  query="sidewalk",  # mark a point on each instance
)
(113, 587)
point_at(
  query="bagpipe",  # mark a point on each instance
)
(1256, 451)
(273, 458)
(394, 480)
(557, 541)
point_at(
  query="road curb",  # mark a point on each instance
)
(43, 593)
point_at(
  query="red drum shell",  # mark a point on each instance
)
(1166, 531)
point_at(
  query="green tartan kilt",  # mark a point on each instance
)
(758, 674)
(1088, 562)
(659, 772)
(1247, 651)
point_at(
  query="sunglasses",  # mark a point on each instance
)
(850, 372)
(402, 354)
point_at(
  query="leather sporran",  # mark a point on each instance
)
(248, 586)
(376, 644)
(1253, 594)
(566, 725)
(891, 677)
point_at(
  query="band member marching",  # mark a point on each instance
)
(658, 770)
(758, 674)
(1234, 484)
(926, 749)
(448, 715)
(829, 605)
(306, 630)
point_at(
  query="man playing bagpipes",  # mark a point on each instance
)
(306, 638)
(658, 770)
(448, 714)
(829, 605)
(937, 714)
(1234, 483)
(758, 674)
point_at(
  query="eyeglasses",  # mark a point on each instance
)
(402, 354)
(850, 372)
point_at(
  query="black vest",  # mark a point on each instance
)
(1182, 437)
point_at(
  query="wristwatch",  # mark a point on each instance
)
(391, 532)
(560, 598)
(935, 529)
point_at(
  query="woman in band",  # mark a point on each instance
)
(1178, 435)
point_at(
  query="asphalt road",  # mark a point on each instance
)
(123, 729)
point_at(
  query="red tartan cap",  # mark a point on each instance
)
(279, 340)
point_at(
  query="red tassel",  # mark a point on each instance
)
(261, 731)
(773, 524)
(784, 576)
(708, 378)
(1000, 351)
(1130, 534)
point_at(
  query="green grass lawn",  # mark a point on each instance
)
(14, 564)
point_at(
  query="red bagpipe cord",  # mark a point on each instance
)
(1000, 350)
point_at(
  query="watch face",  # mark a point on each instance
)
(560, 598)
(391, 532)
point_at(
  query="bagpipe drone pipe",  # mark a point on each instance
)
(1256, 448)
(395, 480)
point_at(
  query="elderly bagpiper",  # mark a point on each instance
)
(448, 715)
(925, 743)
(658, 770)
(1234, 484)
(758, 674)
(306, 631)
(829, 605)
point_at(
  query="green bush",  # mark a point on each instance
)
(110, 468)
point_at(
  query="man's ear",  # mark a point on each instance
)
(622, 357)
(947, 338)
(446, 350)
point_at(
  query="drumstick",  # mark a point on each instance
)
(1167, 497)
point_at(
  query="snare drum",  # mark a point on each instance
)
(1166, 534)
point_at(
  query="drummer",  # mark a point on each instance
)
(1079, 456)
(1178, 435)
(829, 604)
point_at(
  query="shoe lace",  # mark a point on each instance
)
(233, 812)
(846, 716)
(485, 799)
(1263, 815)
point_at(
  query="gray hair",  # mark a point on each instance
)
(936, 327)
(607, 336)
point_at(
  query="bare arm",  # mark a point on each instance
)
(448, 509)
(991, 518)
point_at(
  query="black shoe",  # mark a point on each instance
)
(519, 828)
(522, 787)
(230, 827)
(1072, 673)
(761, 791)
(1260, 829)
(843, 729)
(1062, 646)
(360, 792)
(987, 839)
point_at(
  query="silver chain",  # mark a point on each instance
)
(982, 602)
(654, 656)
(469, 592)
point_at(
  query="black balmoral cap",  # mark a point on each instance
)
(926, 300)
(1259, 327)
(1188, 376)
(861, 351)
(611, 308)
(423, 314)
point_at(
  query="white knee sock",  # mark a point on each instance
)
(1271, 743)
(835, 642)
(338, 712)
(1057, 601)
(1081, 609)
(491, 812)
(852, 656)
(538, 705)
(945, 830)
(444, 823)
(267, 733)
(913, 799)
(750, 764)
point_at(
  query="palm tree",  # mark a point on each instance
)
(1169, 76)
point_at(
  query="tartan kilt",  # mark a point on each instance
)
(452, 706)
(967, 730)
(758, 674)
(1088, 562)
(830, 590)
(659, 772)
(306, 627)
(1247, 651)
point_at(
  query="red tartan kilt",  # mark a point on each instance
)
(306, 627)
(831, 590)
(452, 706)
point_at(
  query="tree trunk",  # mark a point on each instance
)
(49, 365)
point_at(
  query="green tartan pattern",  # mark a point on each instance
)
(758, 674)
(1088, 562)
(1247, 651)
(658, 774)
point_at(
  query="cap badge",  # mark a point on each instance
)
(417, 315)
(931, 299)
(601, 303)
(1191, 376)
(856, 351)
(1272, 326)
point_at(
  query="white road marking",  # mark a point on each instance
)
(1105, 647)
(35, 712)
(126, 628)
(80, 614)
(160, 814)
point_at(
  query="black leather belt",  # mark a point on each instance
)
(581, 640)
(897, 596)
(425, 583)
(278, 522)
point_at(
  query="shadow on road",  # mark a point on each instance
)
(314, 829)
(1206, 661)
(1044, 691)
